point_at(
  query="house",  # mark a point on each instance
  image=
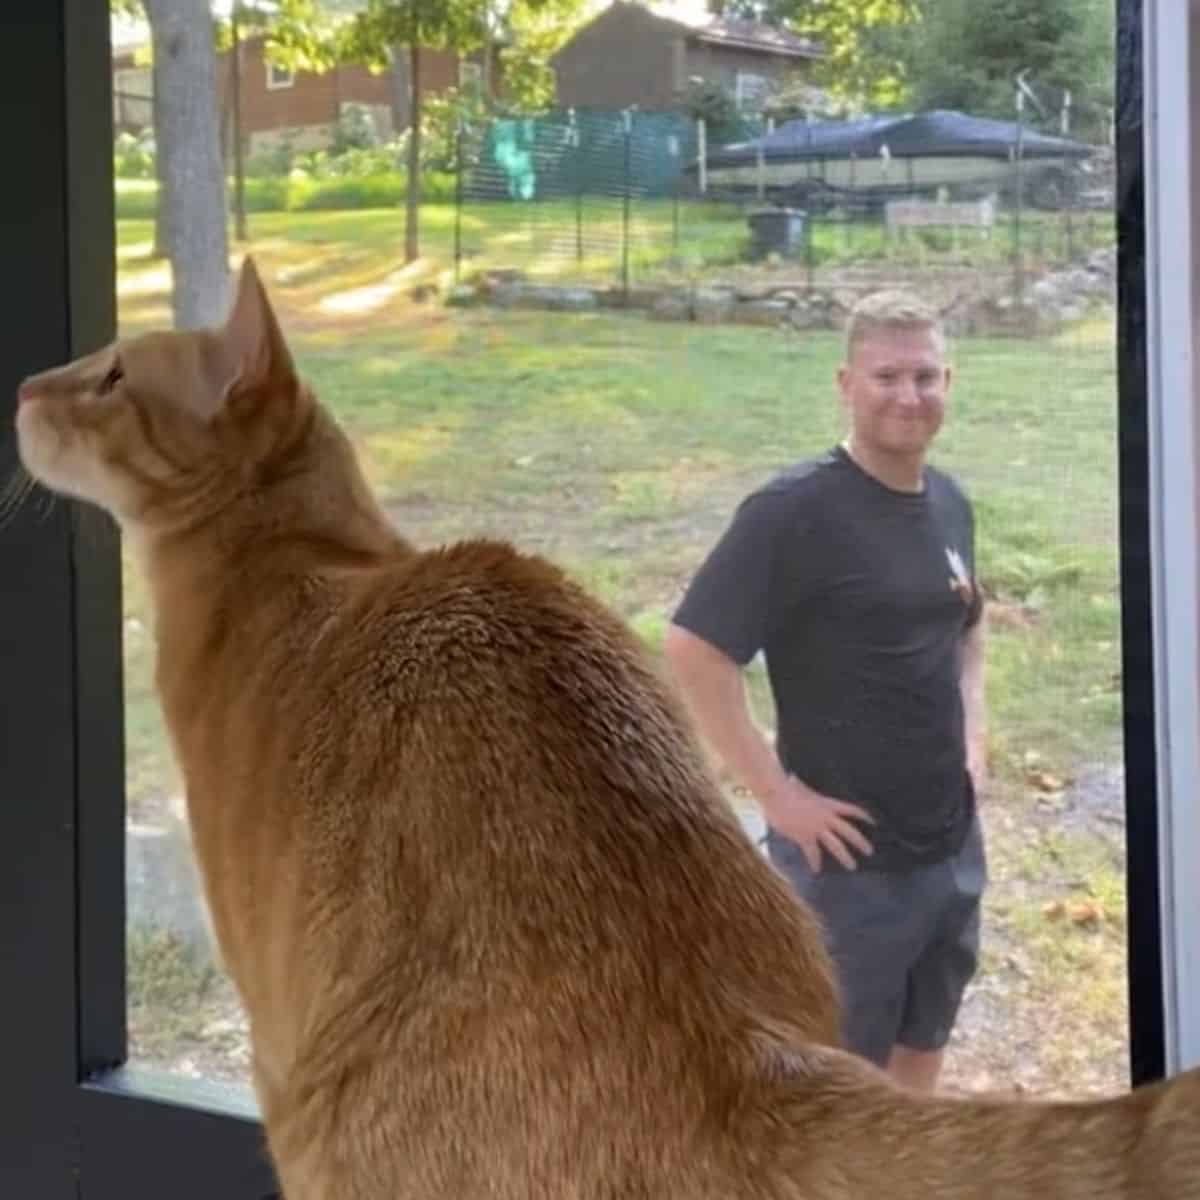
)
(629, 55)
(302, 106)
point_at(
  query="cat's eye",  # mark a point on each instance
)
(110, 381)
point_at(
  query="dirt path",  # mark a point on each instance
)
(1023, 1026)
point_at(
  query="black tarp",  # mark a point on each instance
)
(940, 133)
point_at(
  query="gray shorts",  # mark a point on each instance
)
(906, 944)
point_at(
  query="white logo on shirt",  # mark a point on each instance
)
(960, 579)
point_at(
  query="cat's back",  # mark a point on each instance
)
(500, 740)
(482, 633)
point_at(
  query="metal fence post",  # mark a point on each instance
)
(1018, 201)
(458, 199)
(577, 162)
(627, 116)
(675, 150)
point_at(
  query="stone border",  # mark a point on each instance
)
(1048, 303)
(783, 304)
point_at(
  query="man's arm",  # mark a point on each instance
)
(974, 702)
(714, 691)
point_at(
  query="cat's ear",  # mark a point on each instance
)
(253, 350)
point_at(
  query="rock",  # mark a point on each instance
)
(761, 312)
(712, 306)
(571, 299)
(642, 298)
(671, 307)
(802, 317)
(545, 296)
(500, 276)
(461, 295)
(753, 291)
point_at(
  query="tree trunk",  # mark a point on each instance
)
(412, 207)
(401, 93)
(193, 193)
(162, 234)
(489, 50)
(239, 153)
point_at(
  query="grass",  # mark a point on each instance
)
(620, 447)
(583, 239)
(168, 989)
(1075, 931)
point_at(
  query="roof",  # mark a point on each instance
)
(940, 132)
(749, 35)
(713, 31)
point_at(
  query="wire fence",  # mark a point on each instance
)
(631, 198)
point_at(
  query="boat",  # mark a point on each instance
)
(867, 161)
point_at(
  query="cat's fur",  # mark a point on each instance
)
(495, 929)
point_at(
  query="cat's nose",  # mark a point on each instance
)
(26, 392)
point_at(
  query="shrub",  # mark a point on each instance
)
(133, 157)
(277, 158)
(138, 199)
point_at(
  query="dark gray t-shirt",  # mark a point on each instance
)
(858, 596)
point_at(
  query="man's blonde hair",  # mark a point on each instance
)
(890, 310)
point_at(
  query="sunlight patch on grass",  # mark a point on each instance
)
(1094, 331)
(390, 455)
(147, 281)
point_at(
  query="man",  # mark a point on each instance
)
(853, 574)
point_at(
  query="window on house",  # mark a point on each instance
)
(470, 74)
(133, 94)
(750, 90)
(279, 77)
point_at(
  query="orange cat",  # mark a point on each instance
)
(495, 929)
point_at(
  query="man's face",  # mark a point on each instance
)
(894, 388)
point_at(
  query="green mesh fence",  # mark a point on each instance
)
(595, 196)
(615, 199)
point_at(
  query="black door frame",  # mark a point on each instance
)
(78, 1123)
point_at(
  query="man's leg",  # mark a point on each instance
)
(940, 975)
(915, 1069)
(875, 932)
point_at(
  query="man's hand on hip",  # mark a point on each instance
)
(818, 823)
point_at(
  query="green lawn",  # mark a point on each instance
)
(583, 238)
(620, 447)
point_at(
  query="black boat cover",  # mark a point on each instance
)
(940, 133)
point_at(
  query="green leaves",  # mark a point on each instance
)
(316, 34)
(959, 61)
(864, 61)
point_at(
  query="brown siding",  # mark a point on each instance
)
(358, 84)
(314, 100)
(721, 64)
(439, 71)
(311, 100)
(623, 57)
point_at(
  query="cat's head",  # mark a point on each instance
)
(164, 428)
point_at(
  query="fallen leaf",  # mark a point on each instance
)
(1046, 782)
(1087, 913)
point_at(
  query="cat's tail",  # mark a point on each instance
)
(846, 1132)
